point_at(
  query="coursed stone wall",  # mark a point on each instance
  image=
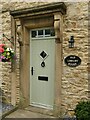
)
(74, 80)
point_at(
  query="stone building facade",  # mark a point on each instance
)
(72, 82)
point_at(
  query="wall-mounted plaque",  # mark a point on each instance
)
(72, 61)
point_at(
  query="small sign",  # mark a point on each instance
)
(72, 61)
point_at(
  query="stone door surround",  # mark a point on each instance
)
(48, 15)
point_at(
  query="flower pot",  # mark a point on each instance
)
(5, 60)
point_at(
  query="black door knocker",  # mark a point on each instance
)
(43, 64)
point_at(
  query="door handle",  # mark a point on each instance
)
(32, 70)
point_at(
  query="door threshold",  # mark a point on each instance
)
(40, 110)
(39, 105)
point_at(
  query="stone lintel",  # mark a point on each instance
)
(42, 9)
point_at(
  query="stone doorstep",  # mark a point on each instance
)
(48, 112)
(9, 112)
(32, 109)
(39, 110)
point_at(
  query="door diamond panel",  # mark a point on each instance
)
(43, 54)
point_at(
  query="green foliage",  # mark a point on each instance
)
(82, 110)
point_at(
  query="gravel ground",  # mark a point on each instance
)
(5, 107)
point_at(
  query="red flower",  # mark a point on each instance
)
(1, 50)
(1, 45)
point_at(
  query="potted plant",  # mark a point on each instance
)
(82, 110)
(6, 54)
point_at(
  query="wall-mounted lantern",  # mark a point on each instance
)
(71, 42)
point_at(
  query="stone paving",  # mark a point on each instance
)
(27, 114)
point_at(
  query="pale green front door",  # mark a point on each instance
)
(42, 72)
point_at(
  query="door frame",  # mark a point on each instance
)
(25, 76)
(22, 24)
(26, 26)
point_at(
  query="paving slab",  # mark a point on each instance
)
(27, 114)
